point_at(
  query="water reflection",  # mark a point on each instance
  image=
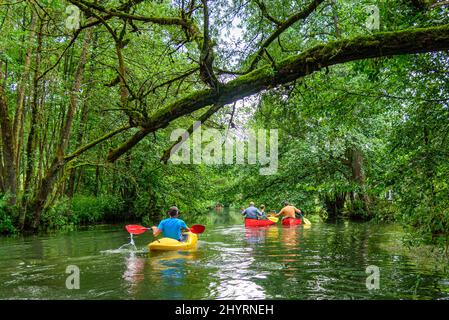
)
(171, 271)
(290, 236)
(272, 233)
(327, 261)
(255, 235)
(134, 272)
(236, 267)
(37, 249)
(234, 277)
(290, 240)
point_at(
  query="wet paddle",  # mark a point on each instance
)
(197, 228)
(306, 221)
(271, 216)
(136, 229)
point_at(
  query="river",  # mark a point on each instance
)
(326, 261)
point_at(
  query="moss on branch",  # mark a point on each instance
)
(295, 67)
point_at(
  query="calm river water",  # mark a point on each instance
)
(327, 261)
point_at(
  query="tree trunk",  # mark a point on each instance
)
(30, 156)
(2, 169)
(97, 180)
(334, 204)
(47, 184)
(355, 158)
(79, 140)
(82, 125)
(10, 182)
(20, 111)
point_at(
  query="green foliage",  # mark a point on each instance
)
(59, 216)
(6, 221)
(348, 134)
(67, 214)
(89, 209)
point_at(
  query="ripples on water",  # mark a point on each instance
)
(327, 261)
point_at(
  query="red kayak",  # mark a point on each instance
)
(258, 223)
(291, 222)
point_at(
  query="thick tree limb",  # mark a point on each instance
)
(319, 57)
(123, 7)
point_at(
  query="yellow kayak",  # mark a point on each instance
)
(169, 244)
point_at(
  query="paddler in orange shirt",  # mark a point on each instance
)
(288, 211)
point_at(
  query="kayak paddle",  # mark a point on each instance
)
(197, 228)
(274, 219)
(136, 229)
(306, 221)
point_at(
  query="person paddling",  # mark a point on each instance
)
(252, 212)
(172, 226)
(288, 211)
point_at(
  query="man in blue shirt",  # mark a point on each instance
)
(252, 212)
(171, 227)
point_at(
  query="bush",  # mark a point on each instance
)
(58, 216)
(90, 209)
(6, 221)
(67, 213)
(427, 224)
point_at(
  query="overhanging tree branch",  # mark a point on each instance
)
(204, 117)
(92, 144)
(284, 26)
(264, 11)
(409, 41)
(123, 7)
(124, 15)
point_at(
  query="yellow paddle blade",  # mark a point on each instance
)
(307, 222)
(273, 219)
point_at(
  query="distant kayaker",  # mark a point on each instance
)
(172, 226)
(288, 211)
(252, 212)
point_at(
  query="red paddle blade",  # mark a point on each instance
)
(135, 229)
(197, 228)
